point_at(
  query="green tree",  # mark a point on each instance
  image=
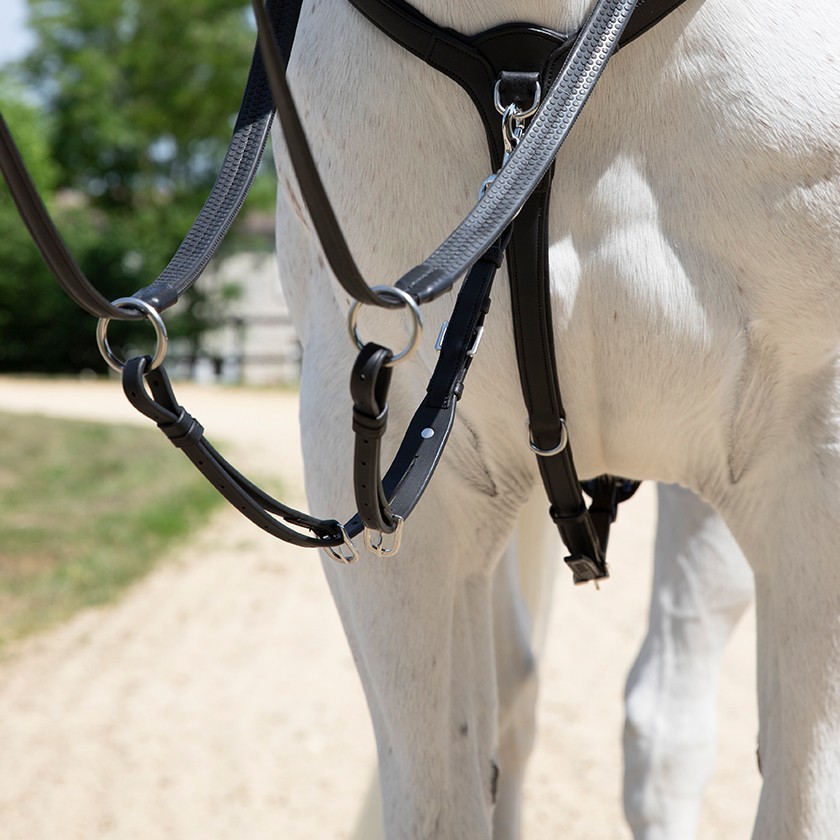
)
(136, 100)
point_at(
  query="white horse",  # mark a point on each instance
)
(694, 255)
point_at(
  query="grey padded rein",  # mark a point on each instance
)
(532, 158)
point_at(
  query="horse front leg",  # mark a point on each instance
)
(420, 626)
(791, 537)
(522, 597)
(701, 586)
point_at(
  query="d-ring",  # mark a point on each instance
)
(518, 114)
(547, 453)
(403, 297)
(161, 338)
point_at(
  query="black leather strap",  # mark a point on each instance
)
(330, 235)
(187, 434)
(239, 167)
(398, 493)
(369, 388)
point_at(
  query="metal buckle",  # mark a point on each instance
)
(161, 338)
(402, 298)
(396, 540)
(585, 570)
(441, 336)
(346, 553)
(476, 341)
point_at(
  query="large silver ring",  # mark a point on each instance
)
(403, 298)
(161, 338)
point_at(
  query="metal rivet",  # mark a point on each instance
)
(427, 433)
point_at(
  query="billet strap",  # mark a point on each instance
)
(237, 173)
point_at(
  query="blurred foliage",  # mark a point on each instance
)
(122, 110)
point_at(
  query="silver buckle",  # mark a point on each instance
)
(346, 553)
(378, 548)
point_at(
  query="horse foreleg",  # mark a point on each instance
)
(701, 586)
(521, 594)
(421, 630)
(522, 588)
(794, 554)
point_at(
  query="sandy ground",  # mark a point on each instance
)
(218, 698)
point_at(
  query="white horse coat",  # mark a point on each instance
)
(695, 247)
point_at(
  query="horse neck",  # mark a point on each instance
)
(470, 16)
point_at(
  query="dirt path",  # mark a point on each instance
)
(218, 699)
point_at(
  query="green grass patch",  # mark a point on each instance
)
(85, 510)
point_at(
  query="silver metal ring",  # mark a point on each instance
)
(520, 115)
(161, 338)
(547, 453)
(403, 298)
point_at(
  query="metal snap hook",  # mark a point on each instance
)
(403, 298)
(161, 337)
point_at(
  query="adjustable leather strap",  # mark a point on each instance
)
(369, 388)
(187, 434)
(381, 503)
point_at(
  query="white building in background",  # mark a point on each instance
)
(256, 343)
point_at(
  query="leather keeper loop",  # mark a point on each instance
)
(371, 426)
(185, 431)
(571, 520)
